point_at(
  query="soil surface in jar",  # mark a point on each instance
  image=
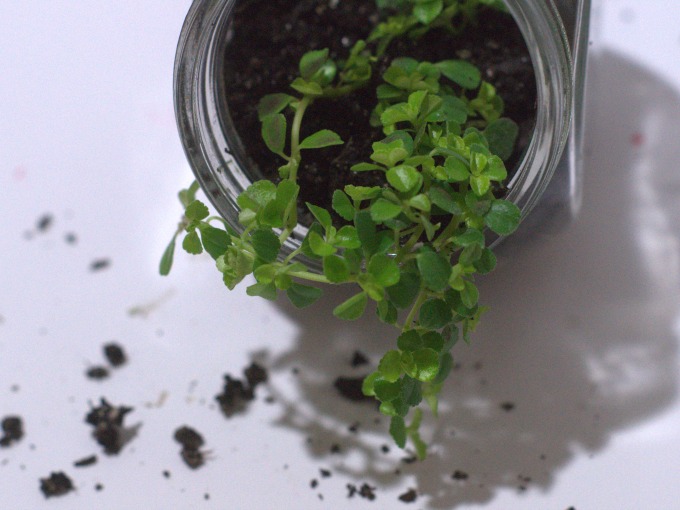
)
(269, 37)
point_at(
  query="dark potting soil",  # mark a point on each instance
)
(12, 430)
(236, 393)
(97, 372)
(350, 388)
(114, 354)
(269, 37)
(86, 461)
(409, 496)
(358, 359)
(191, 442)
(57, 484)
(109, 430)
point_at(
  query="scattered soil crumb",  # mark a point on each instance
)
(57, 484)
(12, 430)
(409, 496)
(191, 442)
(97, 373)
(99, 264)
(166, 473)
(206, 496)
(86, 461)
(99, 487)
(354, 427)
(236, 393)
(325, 473)
(314, 483)
(114, 354)
(70, 238)
(508, 406)
(365, 491)
(108, 423)
(409, 460)
(44, 222)
(459, 475)
(358, 359)
(335, 448)
(350, 388)
(14, 388)
(385, 449)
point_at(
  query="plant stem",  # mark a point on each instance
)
(422, 296)
(295, 135)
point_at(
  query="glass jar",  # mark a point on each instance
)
(547, 180)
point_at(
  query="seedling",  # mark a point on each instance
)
(411, 247)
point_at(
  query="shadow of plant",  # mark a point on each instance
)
(578, 342)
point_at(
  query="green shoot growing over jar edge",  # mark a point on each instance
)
(411, 247)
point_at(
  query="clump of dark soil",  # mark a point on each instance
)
(365, 491)
(12, 430)
(57, 484)
(358, 359)
(44, 222)
(350, 388)
(114, 354)
(409, 496)
(191, 442)
(459, 475)
(237, 393)
(508, 406)
(86, 461)
(97, 373)
(262, 59)
(109, 430)
(99, 264)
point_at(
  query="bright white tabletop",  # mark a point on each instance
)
(582, 335)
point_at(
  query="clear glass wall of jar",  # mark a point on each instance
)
(548, 178)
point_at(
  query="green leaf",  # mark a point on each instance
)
(384, 269)
(273, 103)
(420, 202)
(486, 262)
(387, 312)
(323, 138)
(386, 391)
(192, 244)
(461, 72)
(308, 88)
(410, 341)
(321, 214)
(405, 291)
(302, 295)
(366, 230)
(434, 314)
(398, 431)
(480, 184)
(442, 199)
(196, 211)
(434, 269)
(382, 210)
(167, 258)
(368, 385)
(427, 364)
(503, 217)
(312, 61)
(319, 246)
(456, 170)
(495, 169)
(433, 340)
(342, 205)
(502, 134)
(266, 244)
(274, 132)
(469, 237)
(359, 193)
(264, 290)
(365, 167)
(404, 178)
(347, 238)
(188, 195)
(451, 109)
(410, 391)
(469, 295)
(426, 12)
(215, 240)
(390, 366)
(335, 269)
(353, 308)
(257, 195)
(445, 366)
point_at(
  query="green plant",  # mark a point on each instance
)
(412, 246)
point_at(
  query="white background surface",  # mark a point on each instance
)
(582, 335)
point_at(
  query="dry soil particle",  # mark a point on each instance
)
(350, 388)
(97, 373)
(44, 222)
(12, 430)
(86, 461)
(99, 264)
(191, 442)
(365, 491)
(107, 421)
(409, 496)
(114, 354)
(507, 406)
(358, 359)
(57, 484)
(459, 475)
(236, 393)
